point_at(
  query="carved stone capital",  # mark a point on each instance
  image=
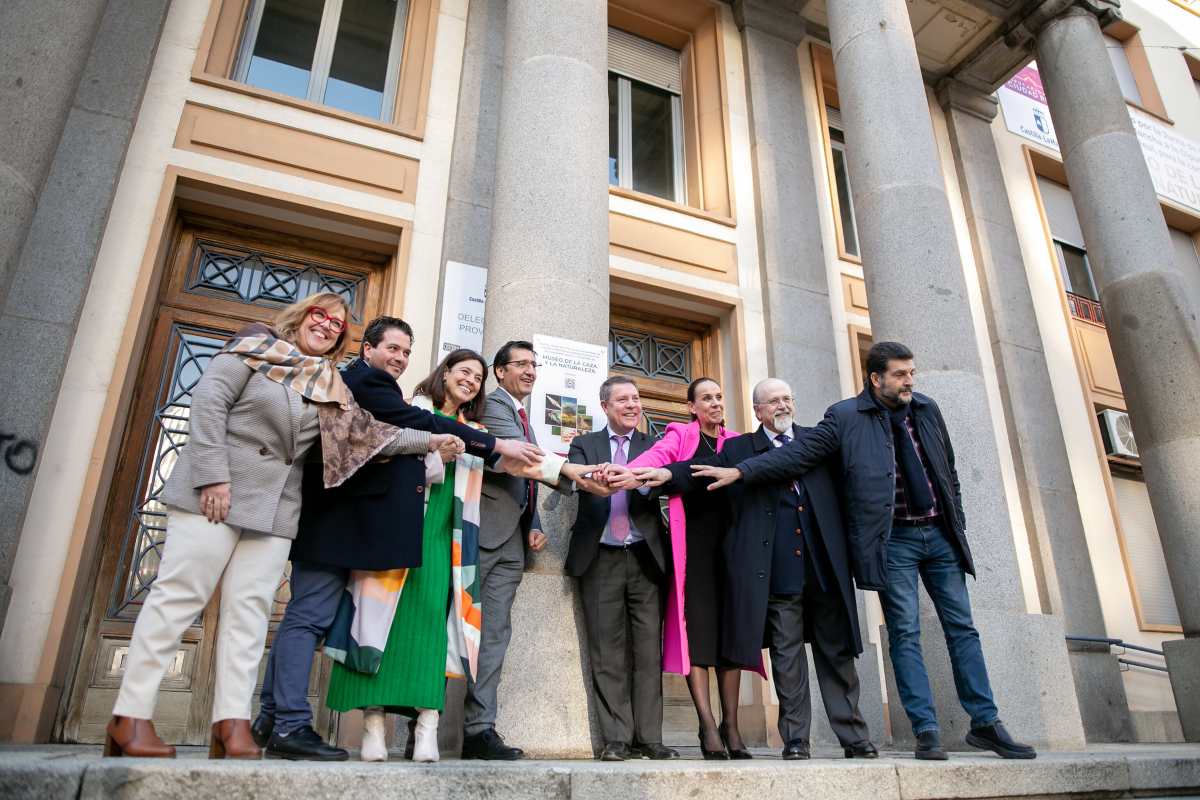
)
(779, 18)
(955, 94)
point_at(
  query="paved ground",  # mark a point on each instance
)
(68, 771)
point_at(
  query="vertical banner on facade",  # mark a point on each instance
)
(1173, 160)
(566, 397)
(463, 298)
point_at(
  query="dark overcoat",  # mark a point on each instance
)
(857, 436)
(594, 448)
(750, 542)
(374, 520)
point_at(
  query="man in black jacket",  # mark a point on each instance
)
(905, 520)
(373, 521)
(617, 553)
(788, 579)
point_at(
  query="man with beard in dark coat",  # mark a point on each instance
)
(892, 455)
(788, 579)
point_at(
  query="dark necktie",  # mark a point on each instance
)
(525, 426)
(783, 439)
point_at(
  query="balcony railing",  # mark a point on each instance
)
(1086, 309)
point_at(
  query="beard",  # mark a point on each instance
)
(782, 423)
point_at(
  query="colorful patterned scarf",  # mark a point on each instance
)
(350, 437)
(359, 633)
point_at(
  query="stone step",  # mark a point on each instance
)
(1112, 771)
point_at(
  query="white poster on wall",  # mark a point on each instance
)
(463, 298)
(1173, 160)
(566, 397)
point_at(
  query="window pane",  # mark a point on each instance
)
(614, 131)
(1120, 62)
(845, 202)
(283, 52)
(1077, 275)
(653, 141)
(360, 57)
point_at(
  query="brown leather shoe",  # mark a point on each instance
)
(136, 738)
(231, 738)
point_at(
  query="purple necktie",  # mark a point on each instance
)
(618, 513)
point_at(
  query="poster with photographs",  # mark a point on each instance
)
(566, 397)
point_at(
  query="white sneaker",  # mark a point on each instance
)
(425, 747)
(374, 745)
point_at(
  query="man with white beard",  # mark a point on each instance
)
(788, 577)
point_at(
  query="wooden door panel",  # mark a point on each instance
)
(217, 282)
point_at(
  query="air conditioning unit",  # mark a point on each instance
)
(1118, 433)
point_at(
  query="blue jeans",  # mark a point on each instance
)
(316, 592)
(926, 550)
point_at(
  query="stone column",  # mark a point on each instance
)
(1043, 472)
(794, 274)
(1151, 322)
(548, 273)
(918, 296)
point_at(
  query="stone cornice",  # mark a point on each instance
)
(780, 18)
(955, 94)
(999, 58)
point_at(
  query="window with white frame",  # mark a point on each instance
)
(645, 117)
(339, 53)
(1076, 270)
(1069, 248)
(841, 178)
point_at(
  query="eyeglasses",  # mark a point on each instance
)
(320, 316)
(525, 364)
(778, 401)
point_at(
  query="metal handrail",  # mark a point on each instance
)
(1118, 643)
(1141, 664)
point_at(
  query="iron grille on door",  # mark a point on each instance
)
(650, 355)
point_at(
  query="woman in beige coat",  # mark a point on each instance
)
(233, 506)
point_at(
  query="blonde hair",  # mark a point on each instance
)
(287, 321)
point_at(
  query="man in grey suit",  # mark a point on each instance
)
(509, 522)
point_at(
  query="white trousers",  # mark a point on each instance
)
(198, 554)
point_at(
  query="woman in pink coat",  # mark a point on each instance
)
(692, 630)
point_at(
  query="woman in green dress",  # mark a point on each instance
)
(435, 631)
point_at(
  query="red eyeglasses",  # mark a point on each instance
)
(320, 316)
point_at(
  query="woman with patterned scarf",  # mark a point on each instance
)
(233, 504)
(399, 634)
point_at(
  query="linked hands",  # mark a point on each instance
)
(517, 454)
(446, 445)
(722, 476)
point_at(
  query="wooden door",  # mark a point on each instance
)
(219, 278)
(664, 354)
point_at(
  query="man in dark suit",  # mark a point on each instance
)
(617, 552)
(372, 521)
(509, 522)
(788, 580)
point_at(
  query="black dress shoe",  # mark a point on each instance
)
(929, 747)
(863, 749)
(995, 738)
(616, 751)
(655, 752)
(261, 730)
(488, 745)
(796, 749)
(303, 745)
(712, 755)
(740, 753)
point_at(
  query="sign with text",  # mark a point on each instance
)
(566, 397)
(463, 298)
(1173, 160)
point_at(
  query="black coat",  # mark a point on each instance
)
(593, 448)
(374, 520)
(858, 437)
(750, 543)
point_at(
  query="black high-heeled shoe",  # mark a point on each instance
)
(739, 754)
(712, 755)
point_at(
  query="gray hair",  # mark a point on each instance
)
(607, 387)
(761, 387)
